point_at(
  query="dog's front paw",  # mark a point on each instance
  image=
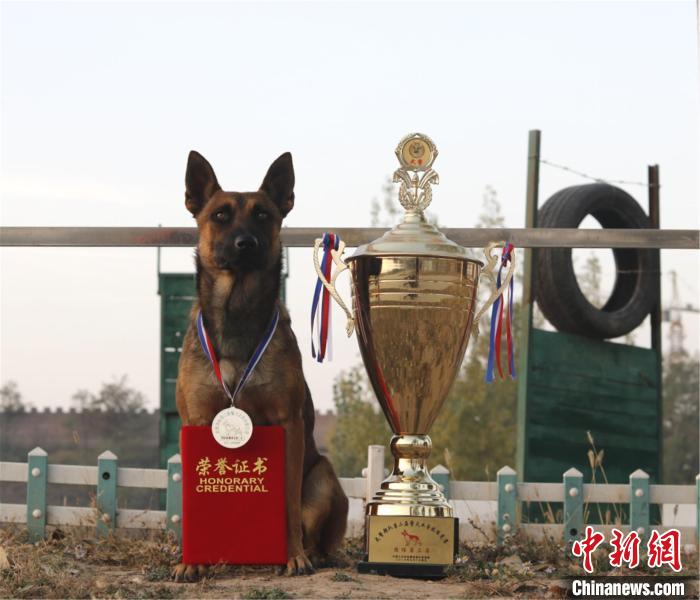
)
(188, 573)
(299, 565)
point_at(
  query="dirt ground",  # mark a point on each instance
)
(69, 565)
(333, 583)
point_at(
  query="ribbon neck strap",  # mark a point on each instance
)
(320, 306)
(497, 323)
(208, 349)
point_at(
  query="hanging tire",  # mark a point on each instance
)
(556, 289)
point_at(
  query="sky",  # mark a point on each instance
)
(101, 103)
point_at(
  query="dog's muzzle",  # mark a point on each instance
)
(246, 242)
(243, 252)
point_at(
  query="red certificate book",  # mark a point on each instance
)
(233, 500)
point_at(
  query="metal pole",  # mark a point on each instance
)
(655, 315)
(303, 237)
(532, 197)
(654, 221)
(158, 264)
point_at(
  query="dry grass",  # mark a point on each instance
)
(68, 565)
(73, 564)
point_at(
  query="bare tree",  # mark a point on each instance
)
(115, 396)
(11, 398)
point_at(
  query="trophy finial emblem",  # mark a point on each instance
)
(416, 153)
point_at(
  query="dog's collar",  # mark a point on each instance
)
(208, 349)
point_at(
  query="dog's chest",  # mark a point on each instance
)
(233, 370)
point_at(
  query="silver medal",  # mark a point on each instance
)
(232, 427)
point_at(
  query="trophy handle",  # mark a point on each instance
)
(487, 270)
(336, 255)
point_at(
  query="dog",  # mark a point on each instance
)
(410, 540)
(238, 266)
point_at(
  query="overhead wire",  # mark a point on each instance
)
(591, 177)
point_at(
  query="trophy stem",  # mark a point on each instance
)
(410, 490)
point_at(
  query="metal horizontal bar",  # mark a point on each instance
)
(140, 519)
(473, 490)
(541, 492)
(13, 471)
(13, 513)
(354, 487)
(606, 492)
(142, 478)
(126, 477)
(672, 494)
(72, 474)
(303, 237)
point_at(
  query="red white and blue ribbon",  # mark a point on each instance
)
(497, 324)
(320, 306)
(208, 349)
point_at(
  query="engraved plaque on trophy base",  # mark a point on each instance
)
(402, 546)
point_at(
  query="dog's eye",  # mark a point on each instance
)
(261, 215)
(221, 216)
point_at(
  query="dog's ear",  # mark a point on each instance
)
(200, 182)
(279, 183)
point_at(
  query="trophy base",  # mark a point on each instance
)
(432, 572)
(409, 546)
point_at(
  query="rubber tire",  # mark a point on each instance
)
(556, 289)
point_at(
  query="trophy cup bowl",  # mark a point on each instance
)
(414, 294)
(413, 316)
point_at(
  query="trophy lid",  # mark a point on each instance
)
(415, 236)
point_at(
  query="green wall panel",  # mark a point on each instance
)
(575, 385)
(177, 293)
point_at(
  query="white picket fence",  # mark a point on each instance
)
(479, 505)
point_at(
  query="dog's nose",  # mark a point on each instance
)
(246, 242)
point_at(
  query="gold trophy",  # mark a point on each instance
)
(414, 294)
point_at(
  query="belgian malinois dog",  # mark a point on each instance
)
(238, 261)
